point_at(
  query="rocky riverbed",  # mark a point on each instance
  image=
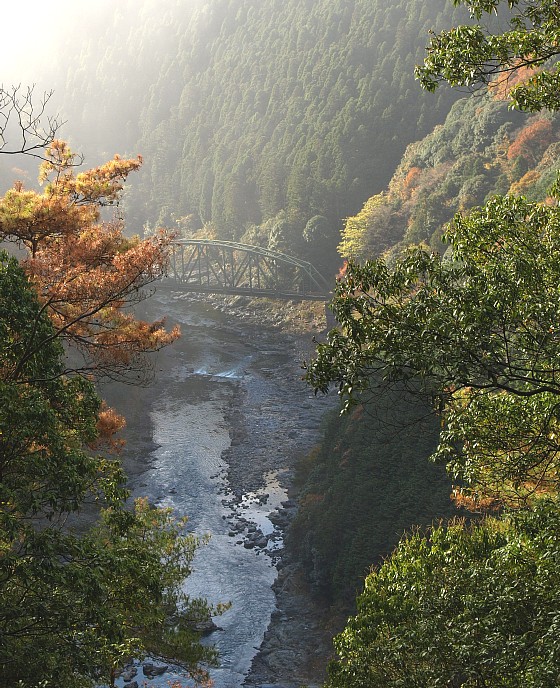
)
(297, 642)
(273, 419)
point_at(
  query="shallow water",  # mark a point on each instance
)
(187, 472)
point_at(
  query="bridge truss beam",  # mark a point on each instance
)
(226, 267)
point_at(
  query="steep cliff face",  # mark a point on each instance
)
(370, 480)
(367, 483)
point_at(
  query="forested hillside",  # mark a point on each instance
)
(467, 604)
(482, 148)
(367, 482)
(273, 122)
(299, 126)
(362, 492)
(255, 118)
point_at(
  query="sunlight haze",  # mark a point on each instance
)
(33, 30)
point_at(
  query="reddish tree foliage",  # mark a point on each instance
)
(109, 423)
(87, 272)
(410, 182)
(342, 270)
(501, 87)
(532, 141)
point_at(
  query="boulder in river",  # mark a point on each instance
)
(206, 627)
(129, 673)
(151, 670)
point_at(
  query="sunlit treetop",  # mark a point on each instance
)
(100, 186)
(472, 55)
(88, 273)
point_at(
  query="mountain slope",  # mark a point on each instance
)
(248, 113)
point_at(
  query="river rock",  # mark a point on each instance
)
(151, 670)
(280, 520)
(129, 673)
(206, 627)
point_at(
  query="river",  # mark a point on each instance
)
(219, 431)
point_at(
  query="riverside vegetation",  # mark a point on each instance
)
(77, 605)
(474, 332)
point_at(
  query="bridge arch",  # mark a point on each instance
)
(227, 267)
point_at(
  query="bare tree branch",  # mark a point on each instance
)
(26, 128)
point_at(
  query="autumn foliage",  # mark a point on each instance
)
(532, 141)
(505, 82)
(75, 607)
(86, 271)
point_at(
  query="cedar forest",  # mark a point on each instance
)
(302, 127)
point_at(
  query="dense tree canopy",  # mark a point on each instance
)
(476, 332)
(523, 57)
(462, 607)
(482, 149)
(245, 110)
(86, 271)
(74, 607)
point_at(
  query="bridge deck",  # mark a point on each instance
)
(240, 291)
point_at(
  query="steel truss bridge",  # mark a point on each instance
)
(226, 267)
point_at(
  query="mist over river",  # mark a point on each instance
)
(216, 437)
